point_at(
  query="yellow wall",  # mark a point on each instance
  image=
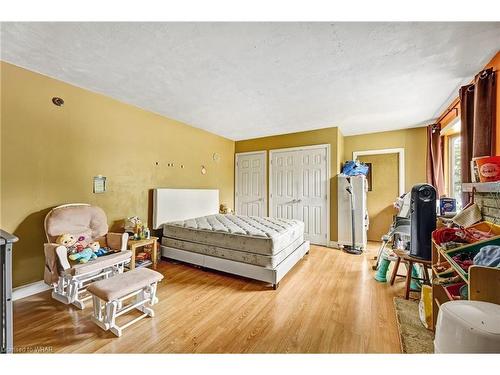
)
(413, 140)
(384, 190)
(340, 151)
(49, 155)
(330, 136)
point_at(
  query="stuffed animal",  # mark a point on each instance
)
(83, 256)
(80, 244)
(69, 241)
(66, 239)
(97, 249)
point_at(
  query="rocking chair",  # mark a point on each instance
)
(70, 281)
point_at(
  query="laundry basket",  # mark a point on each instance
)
(468, 327)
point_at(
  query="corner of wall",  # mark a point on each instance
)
(340, 150)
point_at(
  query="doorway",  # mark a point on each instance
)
(382, 192)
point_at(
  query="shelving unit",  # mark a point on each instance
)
(150, 245)
(481, 187)
(483, 282)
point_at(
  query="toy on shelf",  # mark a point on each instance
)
(142, 256)
(136, 228)
(224, 209)
(131, 224)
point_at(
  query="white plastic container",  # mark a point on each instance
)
(468, 327)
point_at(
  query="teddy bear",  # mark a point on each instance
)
(97, 249)
(83, 256)
(71, 243)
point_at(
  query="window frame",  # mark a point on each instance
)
(450, 163)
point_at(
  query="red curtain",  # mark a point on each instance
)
(435, 171)
(484, 114)
(466, 134)
(478, 109)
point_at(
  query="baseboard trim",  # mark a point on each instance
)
(333, 244)
(29, 289)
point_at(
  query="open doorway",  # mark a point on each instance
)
(387, 183)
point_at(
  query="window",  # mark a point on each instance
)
(454, 169)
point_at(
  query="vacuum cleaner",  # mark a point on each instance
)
(352, 249)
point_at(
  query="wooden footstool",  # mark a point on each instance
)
(108, 296)
(404, 257)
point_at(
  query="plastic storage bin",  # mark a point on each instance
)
(468, 327)
(472, 250)
(489, 169)
(453, 291)
(488, 227)
(443, 269)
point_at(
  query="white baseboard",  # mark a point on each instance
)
(333, 244)
(29, 289)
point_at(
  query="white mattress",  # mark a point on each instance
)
(267, 261)
(259, 235)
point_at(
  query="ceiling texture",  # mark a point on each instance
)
(248, 80)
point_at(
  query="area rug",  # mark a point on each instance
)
(413, 336)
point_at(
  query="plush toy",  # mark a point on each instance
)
(97, 249)
(83, 256)
(80, 244)
(69, 241)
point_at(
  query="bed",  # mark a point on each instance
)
(260, 248)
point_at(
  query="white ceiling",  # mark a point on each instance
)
(246, 80)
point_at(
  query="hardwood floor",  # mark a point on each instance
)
(328, 303)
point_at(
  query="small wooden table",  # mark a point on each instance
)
(404, 257)
(136, 244)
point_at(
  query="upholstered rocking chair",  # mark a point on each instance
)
(69, 281)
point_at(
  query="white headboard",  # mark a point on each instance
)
(181, 204)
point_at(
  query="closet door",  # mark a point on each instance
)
(312, 196)
(299, 189)
(251, 189)
(284, 184)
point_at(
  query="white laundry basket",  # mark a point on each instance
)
(468, 327)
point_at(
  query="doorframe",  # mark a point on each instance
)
(401, 155)
(327, 146)
(264, 181)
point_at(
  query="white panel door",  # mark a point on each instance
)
(284, 185)
(251, 191)
(312, 196)
(299, 189)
